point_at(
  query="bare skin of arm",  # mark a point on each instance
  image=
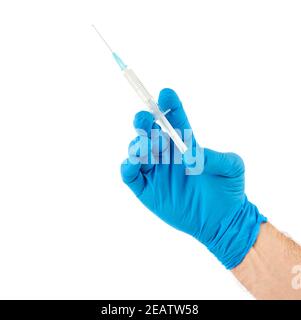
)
(272, 268)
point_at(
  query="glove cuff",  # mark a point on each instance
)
(237, 235)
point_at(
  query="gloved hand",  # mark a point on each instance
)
(212, 206)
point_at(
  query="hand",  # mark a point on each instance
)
(212, 206)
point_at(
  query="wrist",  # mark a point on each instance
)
(236, 235)
(267, 269)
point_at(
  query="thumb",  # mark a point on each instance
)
(132, 176)
(223, 164)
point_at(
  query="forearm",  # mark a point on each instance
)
(272, 268)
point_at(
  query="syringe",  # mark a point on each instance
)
(146, 97)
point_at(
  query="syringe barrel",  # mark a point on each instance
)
(137, 85)
(168, 128)
(154, 108)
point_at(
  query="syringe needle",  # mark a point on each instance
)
(149, 101)
(102, 38)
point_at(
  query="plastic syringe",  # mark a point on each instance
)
(147, 98)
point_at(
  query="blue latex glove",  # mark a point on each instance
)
(212, 207)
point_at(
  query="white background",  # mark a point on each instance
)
(69, 228)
